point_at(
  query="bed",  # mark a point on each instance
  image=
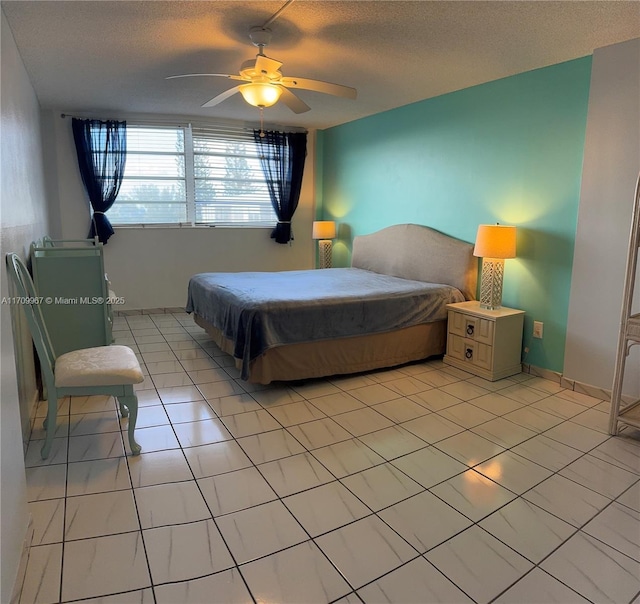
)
(387, 309)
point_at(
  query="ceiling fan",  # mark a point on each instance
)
(264, 83)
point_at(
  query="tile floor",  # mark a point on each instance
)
(413, 485)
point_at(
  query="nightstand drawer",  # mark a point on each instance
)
(470, 351)
(470, 327)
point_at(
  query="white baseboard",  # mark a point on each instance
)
(588, 389)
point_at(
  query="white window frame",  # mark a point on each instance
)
(190, 180)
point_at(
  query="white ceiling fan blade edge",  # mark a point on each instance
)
(320, 86)
(223, 96)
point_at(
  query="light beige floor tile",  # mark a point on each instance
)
(621, 451)
(599, 476)
(294, 474)
(57, 454)
(225, 587)
(547, 452)
(100, 514)
(174, 503)
(612, 576)
(478, 563)
(528, 529)
(381, 486)
(432, 428)
(401, 410)
(463, 390)
(260, 530)
(46, 482)
(567, 500)
(250, 422)
(429, 466)
(619, 527)
(576, 436)
(156, 438)
(270, 446)
(216, 458)
(347, 457)
(434, 399)
(373, 394)
(393, 442)
(513, 472)
(48, 521)
(496, 403)
(42, 579)
(473, 494)
(205, 432)
(95, 446)
(503, 432)
(362, 421)
(296, 413)
(183, 552)
(159, 467)
(97, 476)
(466, 415)
(179, 394)
(234, 491)
(537, 587)
(469, 448)
(364, 550)
(234, 404)
(325, 508)
(90, 566)
(417, 581)
(319, 433)
(424, 520)
(337, 402)
(315, 388)
(276, 578)
(631, 497)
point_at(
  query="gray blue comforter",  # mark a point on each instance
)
(258, 311)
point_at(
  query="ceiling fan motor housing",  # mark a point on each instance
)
(260, 36)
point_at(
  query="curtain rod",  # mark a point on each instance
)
(146, 120)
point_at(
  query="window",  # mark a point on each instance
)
(190, 176)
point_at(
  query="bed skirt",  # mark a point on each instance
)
(339, 356)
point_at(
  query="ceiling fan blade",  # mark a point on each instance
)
(267, 65)
(294, 103)
(198, 75)
(223, 96)
(320, 86)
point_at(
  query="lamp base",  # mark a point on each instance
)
(491, 283)
(324, 252)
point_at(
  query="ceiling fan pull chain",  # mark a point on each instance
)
(261, 122)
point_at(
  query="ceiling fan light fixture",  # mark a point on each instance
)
(260, 94)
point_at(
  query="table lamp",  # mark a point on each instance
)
(494, 243)
(324, 231)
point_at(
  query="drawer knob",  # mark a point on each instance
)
(470, 328)
(468, 353)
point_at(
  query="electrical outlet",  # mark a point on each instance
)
(538, 329)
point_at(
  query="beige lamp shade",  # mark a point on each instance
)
(324, 229)
(261, 94)
(495, 241)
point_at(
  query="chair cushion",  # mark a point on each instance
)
(100, 366)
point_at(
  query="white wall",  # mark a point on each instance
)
(150, 268)
(610, 170)
(23, 217)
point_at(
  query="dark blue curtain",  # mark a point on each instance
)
(101, 147)
(282, 155)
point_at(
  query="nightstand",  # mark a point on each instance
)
(487, 343)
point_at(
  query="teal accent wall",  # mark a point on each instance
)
(509, 151)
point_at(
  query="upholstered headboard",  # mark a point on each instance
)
(412, 251)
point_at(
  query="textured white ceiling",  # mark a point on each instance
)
(109, 57)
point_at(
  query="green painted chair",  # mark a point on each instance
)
(110, 370)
